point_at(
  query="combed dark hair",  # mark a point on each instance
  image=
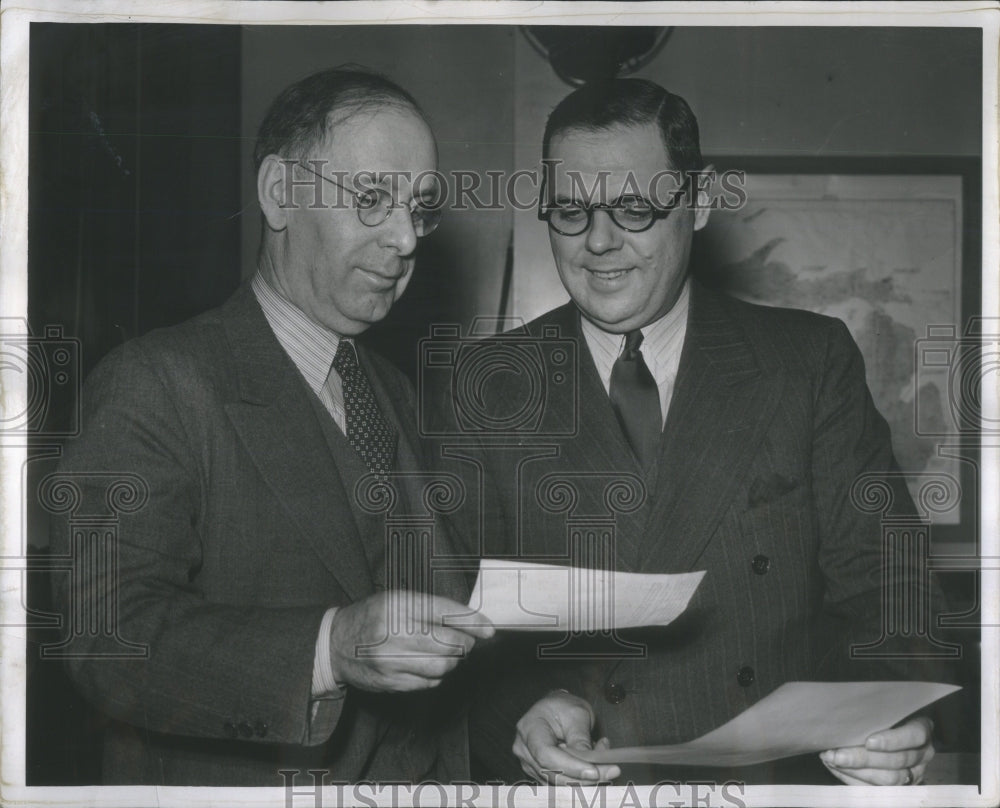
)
(301, 115)
(630, 102)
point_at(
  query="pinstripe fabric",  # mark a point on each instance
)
(769, 425)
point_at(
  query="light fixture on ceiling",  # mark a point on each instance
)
(583, 53)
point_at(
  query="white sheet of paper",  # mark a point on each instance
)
(796, 719)
(521, 596)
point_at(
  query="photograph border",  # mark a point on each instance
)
(16, 17)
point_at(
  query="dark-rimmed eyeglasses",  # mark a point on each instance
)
(634, 214)
(374, 205)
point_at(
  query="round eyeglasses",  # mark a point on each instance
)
(374, 205)
(634, 214)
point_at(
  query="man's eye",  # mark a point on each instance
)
(637, 209)
(367, 199)
(571, 213)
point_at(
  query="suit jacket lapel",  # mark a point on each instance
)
(595, 447)
(722, 405)
(599, 444)
(601, 447)
(277, 424)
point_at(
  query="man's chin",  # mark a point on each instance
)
(377, 308)
(611, 320)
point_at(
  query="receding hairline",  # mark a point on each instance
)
(591, 129)
(349, 110)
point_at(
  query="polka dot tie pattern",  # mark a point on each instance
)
(368, 431)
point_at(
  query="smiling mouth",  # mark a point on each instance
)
(609, 274)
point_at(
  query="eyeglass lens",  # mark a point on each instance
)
(375, 205)
(571, 220)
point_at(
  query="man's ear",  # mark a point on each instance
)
(703, 196)
(273, 185)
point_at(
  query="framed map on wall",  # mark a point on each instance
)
(884, 253)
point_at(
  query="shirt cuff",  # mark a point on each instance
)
(323, 683)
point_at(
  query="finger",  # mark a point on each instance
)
(424, 642)
(605, 771)
(409, 653)
(402, 682)
(557, 774)
(874, 777)
(563, 764)
(424, 666)
(608, 771)
(472, 622)
(844, 777)
(605, 774)
(552, 759)
(929, 753)
(459, 639)
(857, 757)
(912, 734)
(552, 778)
(443, 641)
(460, 617)
(540, 773)
(577, 735)
(564, 780)
(528, 764)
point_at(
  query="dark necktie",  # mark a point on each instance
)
(369, 433)
(636, 400)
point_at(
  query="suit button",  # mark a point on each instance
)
(230, 729)
(614, 692)
(260, 728)
(745, 676)
(245, 729)
(761, 564)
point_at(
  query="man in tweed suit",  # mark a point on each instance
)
(747, 427)
(253, 573)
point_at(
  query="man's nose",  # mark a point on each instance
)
(398, 232)
(603, 234)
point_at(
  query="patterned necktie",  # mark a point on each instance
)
(636, 400)
(369, 433)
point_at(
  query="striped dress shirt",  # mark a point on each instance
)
(661, 347)
(310, 346)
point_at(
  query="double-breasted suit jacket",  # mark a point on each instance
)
(250, 531)
(770, 425)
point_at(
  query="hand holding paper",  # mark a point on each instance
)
(550, 737)
(797, 718)
(892, 757)
(521, 596)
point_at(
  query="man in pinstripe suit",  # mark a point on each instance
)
(747, 427)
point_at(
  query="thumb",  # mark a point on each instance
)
(578, 737)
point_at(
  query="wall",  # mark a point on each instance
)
(461, 77)
(805, 92)
(758, 92)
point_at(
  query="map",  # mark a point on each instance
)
(883, 254)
